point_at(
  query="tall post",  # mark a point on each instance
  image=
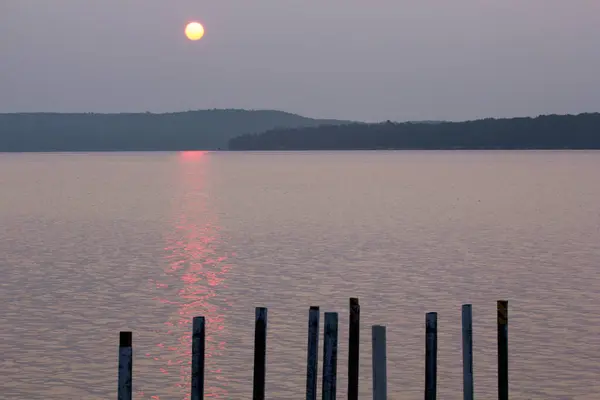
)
(330, 344)
(260, 354)
(313, 353)
(431, 356)
(125, 391)
(467, 351)
(379, 363)
(198, 348)
(502, 350)
(353, 349)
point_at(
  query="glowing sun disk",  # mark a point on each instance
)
(194, 31)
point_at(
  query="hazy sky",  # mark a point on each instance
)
(352, 59)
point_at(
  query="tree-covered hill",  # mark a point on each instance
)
(192, 130)
(544, 132)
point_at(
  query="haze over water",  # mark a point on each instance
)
(91, 244)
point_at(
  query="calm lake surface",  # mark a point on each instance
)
(91, 244)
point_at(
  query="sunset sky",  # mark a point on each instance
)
(351, 59)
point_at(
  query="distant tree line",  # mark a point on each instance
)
(192, 130)
(544, 132)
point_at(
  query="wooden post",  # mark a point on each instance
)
(467, 351)
(330, 343)
(125, 391)
(313, 353)
(260, 354)
(198, 347)
(379, 363)
(353, 349)
(430, 356)
(503, 350)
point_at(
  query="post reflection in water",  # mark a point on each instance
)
(195, 274)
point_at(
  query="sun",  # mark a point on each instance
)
(194, 31)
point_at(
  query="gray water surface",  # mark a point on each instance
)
(91, 244)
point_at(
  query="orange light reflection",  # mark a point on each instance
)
(194, 278)
(192, 155)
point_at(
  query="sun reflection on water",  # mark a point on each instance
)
(193, 280)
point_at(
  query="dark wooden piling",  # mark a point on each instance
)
(431, 356)
(330, 344)
(260, 354)
(502, 350)
(313, 353)
(125, 391)
(379, 362)
(467, 351)
(198, 347)
(353, 349)
(330, 354)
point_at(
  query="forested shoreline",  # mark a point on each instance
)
(580, 131)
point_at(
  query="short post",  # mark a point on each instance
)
(313, 353)
(260, 354)
(503, 350)
(125, 391)
(330, 344)
(353, 349)
(198, 347)
(467, 351)
(431, 356)
(379, 363)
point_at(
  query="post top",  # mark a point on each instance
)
(125, 339)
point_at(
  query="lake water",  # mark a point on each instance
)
(91, 244)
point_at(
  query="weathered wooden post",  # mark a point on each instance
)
(125, 391)
(503, 350)
(431, 356)
(260, 354)
(313, 353)
(467, 351)
(330, 344)
(198, 347)
(379, 363)
(353, 349)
